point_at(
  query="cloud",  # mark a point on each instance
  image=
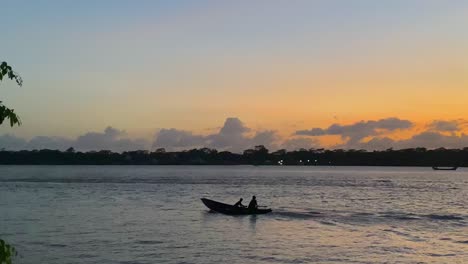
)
(266, 138)
(232, 136)
(445, 126)
(427, 139)
(11, 142)
(299, 142)
(235, 136)
(233, 126)
(110, 139)
(42, 142)
(435, 136)
(356, 132)
(373, 144)
(430, 139)
(178, 139)
(314, 131)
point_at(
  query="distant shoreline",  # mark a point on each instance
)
(230, 165)
(258, 156)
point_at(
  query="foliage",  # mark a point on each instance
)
(6, 70)
(7, 252)
(6, 113)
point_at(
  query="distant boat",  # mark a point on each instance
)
(232, 210)
(444, 168)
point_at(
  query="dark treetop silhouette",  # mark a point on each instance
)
(256, 156)
(6, 113)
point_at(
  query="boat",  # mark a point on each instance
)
(444, 168)
(233, 210)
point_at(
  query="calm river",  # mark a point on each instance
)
(153, 214)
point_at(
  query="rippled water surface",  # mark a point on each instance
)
(153, 214)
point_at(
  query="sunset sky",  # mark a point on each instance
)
(231, 74)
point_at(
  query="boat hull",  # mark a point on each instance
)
(232, 210)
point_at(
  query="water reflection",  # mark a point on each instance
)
(253, 222)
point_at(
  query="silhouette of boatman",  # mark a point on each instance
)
(253, 203)
(239, 203)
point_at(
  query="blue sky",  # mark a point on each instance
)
(142, 66)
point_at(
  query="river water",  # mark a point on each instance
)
(153, 214)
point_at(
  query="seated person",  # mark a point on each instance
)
(253, 203)
(239, 203)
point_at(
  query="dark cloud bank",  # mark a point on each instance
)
(110, 139)
(232, 136)
(235, 136)
(356, 132)
(439, 133)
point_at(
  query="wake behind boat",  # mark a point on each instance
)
(232, 210)
(444, 168)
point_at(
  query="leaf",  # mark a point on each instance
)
(6, 113)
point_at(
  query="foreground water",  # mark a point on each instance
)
(153, 214)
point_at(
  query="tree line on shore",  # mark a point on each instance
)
(259, 155)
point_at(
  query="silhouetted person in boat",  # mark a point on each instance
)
(253, 203)
(239, 203)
